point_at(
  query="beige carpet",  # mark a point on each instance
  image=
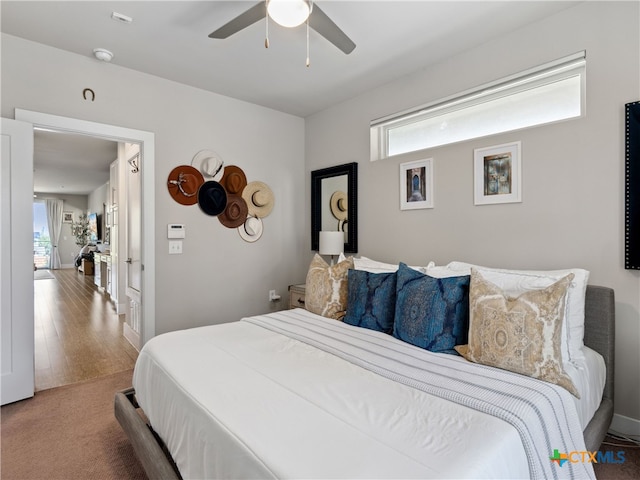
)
(67, 433)
(627, 470)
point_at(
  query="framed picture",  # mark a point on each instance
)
(67, 217)
(416, 184)
(497, 174)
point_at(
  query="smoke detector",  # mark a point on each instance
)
(102, 54)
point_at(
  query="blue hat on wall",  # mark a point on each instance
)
(212, 198)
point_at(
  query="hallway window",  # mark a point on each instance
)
(41, 239)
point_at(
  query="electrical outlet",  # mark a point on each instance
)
(273, 296)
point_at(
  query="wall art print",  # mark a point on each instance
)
(416, 184)
(497, 174)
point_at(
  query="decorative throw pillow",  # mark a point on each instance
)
(432, 313)
(515, 282)
(519, 334)
(326, 288)
(371, 300)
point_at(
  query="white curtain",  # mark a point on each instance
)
(54, 222)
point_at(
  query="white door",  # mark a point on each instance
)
(16, 261)
(133, 242)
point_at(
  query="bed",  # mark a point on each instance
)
(293, 394)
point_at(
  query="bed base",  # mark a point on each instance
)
(148, 446)
(599, 335)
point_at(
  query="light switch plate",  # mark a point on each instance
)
(175, 247)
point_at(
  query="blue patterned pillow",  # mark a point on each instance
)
(371, 300)
(432, 313)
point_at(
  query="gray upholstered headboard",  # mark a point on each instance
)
(599, 335)
(599, 328)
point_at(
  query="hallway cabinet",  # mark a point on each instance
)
(103, 271)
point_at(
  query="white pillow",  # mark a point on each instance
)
(444, 271)
(374, 266)
(516, 282)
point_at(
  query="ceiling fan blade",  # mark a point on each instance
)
(251, 16)
(322, 24)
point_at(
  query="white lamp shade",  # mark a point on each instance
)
(331, 243)
(289, 13)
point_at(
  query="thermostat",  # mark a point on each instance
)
(176, 230)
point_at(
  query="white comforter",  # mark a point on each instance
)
(241, 401)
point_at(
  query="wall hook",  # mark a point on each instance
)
(84, 94)
(133, 161)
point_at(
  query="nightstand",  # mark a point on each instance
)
(296, 296)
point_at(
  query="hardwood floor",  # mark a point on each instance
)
(78, 334)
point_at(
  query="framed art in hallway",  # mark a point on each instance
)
(416, 184)
(67, 217)
(497, 174)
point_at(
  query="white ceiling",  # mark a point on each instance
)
(71, 163)
(169, 39)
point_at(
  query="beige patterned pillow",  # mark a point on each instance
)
(521, 334)
(326, 289)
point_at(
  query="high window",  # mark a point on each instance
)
(545, 94)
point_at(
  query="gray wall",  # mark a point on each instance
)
(573, 172)
(219, 277)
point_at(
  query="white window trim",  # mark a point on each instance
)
(563, 68)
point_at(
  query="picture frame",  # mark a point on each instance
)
(416, 184)
(67, 217)
(498, 174)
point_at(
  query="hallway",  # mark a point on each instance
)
(78, 335)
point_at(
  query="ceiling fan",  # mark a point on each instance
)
(278, 10)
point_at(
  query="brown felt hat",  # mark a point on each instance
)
(183, 184)
(234, 180)
(235, 213)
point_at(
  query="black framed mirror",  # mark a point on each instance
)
(334, 204)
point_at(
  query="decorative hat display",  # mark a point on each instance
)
(212, 198)
(235, 213)
(183, 184)
(234, 180)
(251, 230)
(259, 198)
(209, 163)
(223, 191)
(339, 205)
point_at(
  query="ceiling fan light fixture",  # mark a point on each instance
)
(289, 13)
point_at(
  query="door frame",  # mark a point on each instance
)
(147, 150)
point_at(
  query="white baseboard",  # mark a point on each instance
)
(132, 336)
(625, 425)
(67, 265)
(121, 308)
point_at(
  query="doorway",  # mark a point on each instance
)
(146, 142)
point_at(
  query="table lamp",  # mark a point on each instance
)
(331, 243)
